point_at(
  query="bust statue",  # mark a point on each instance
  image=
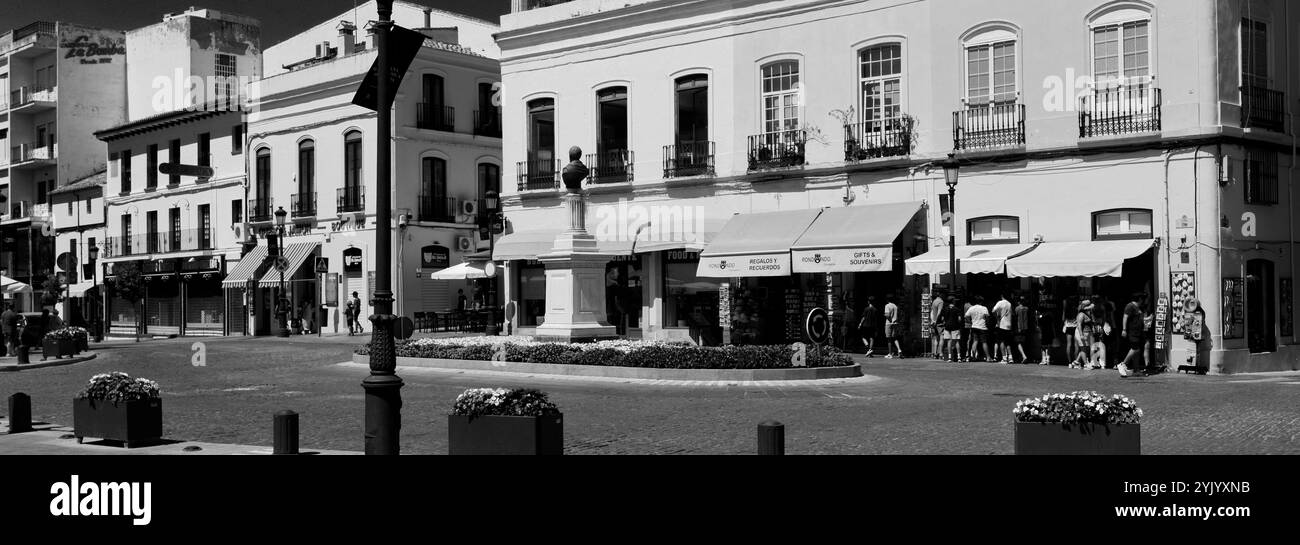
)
(575, 171)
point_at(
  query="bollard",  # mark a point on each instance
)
(771, 438)
(20, 413)
(24, 355)
(286, 432)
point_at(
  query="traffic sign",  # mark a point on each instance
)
(322, 265)
(185, 170)
(281, 263)
(490, 269)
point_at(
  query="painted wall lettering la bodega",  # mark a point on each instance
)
(91, 499)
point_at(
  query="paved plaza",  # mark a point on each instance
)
(910, 406)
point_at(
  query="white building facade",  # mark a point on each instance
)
(701, 117)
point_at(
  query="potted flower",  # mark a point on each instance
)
(1078, 423)
(58, 343)
(505, 421)
(81, 338)
(116, 407)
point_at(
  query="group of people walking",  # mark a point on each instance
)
(15, 330)
(1006, 330)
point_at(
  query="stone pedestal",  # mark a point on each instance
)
(575, 282)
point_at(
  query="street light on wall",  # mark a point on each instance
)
(283, 309)
(950, 171)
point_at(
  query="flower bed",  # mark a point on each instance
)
(119, 387)
(621, 353)
(1077, 408)
(503, 402)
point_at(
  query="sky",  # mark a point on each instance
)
(280, 18)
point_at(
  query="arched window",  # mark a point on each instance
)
(351, 196)
(1119, 224)
(304, 201)
(434, 203)
(692, 109)
(880, 78)
(261, 207)
(993, 230)
(991, 65)
(780, 96)
(539, 170)
(1121, 45)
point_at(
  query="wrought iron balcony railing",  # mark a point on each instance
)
(1119, 110)
(260, 210)
(352, 199)
(537, 174)
(991, 125)
(611, 166)
(1262, 108)
(302, 205)
(439, 208)
(877, 138)
(487, 123)
(777, 149)
(435, 117)
(690, 158)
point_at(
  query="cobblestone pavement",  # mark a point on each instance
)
(910, 406)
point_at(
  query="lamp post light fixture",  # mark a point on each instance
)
(950, 168)
(492, 208)
(93, 252)
(383, 422)
(282, 307)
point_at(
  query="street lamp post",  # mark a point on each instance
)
(491, 206)
(383, 386)
(950, 177)
(93, 251)
(282, 310)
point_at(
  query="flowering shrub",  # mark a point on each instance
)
(1078, 407)
(503, 402)
(117, 387)
(65, 334)
(620, 353)
(79, 333)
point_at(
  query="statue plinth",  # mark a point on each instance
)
(575, 282)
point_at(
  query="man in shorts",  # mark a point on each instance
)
(893, 328)
(979, 316)
(1134, 332)
(1002, 329)
(953, 322)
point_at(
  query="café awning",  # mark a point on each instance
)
(244, 271)
(687, 234)
(297, 254)
(978, 259)
(9, 286)
(464, 271)
(1091, 258)
(852, 238)
(755, 244)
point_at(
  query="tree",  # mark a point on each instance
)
(128, 283)
(53, 290)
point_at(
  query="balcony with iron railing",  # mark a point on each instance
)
(183, 240)
(1119, 110)
(438, 208)
(18, 210)
(435, 117)
(35, 154)
(610, 167)
(878, 138)
(39, 36)
(1262, 108)
(351, 199)
(989, 125)
(538, 174)
(261, 210)
(690, 158)
(28, 98)
(302, 205)
(779, 149)
(487, 123)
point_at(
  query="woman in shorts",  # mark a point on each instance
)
(1083, 335)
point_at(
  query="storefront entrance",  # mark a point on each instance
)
(1260, 306)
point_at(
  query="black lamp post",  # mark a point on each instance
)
(950, 168)
(282, 307)
(93, 251)
(383, 386)
(492, 206)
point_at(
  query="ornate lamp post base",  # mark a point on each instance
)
(383, 390)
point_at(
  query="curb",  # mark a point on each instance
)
(805, 373)
(48, 363)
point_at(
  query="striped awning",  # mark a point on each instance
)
(244, 271)
(297, 254)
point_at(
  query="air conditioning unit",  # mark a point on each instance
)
(469, 208)
(238, 228)
(322, 50)
(464, 244)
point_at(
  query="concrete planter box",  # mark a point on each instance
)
(519, 435)
(1057, 438)
(131, 422)
(58, 349)
(800, 373)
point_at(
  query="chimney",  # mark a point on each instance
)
(347, 38)
(428, 18)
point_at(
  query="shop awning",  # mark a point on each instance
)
(297, 254)
(243, 271)
(464, 271)
(852, 238)
(10, 286)
(1094, 258)
(755, 244)
(979, 259)
(687, 234)
(80, 290)
(532, 243)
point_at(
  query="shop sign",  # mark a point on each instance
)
(352, 260)
(435, 257)
(161, 266)
(843, 260)
(1162, 310)
(925, 313)
(745, 265)
(1234, 308)
(332, 290)
(681, 256)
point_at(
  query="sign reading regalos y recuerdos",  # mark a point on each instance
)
(744, 265)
